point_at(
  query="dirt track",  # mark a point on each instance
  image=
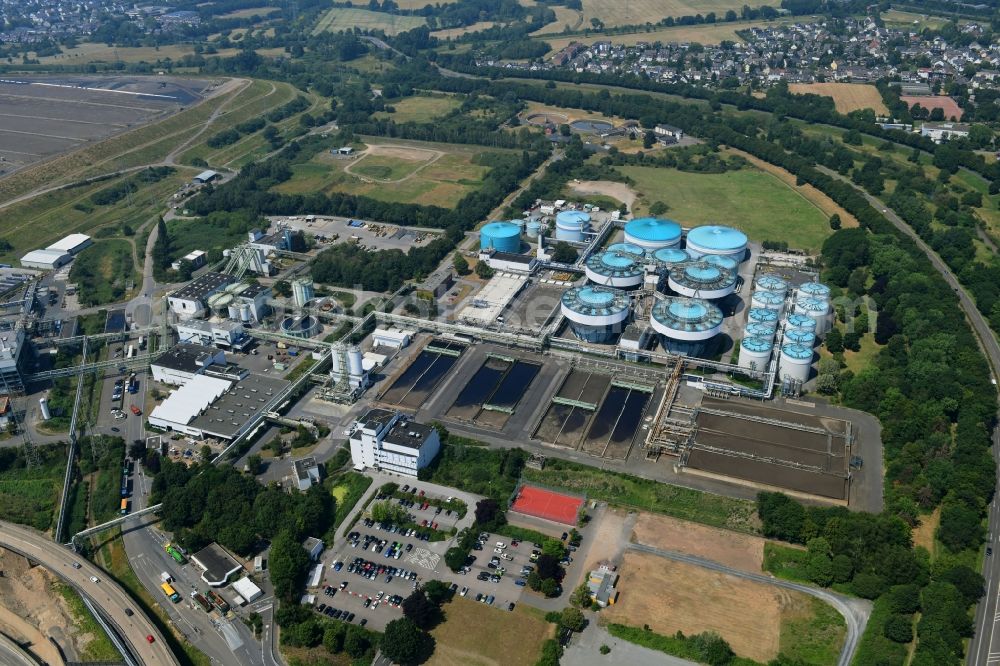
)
(398, 152)
(739, 551)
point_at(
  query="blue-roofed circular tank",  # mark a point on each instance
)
(699, 279)
(722, 261)
(628, 248)
(771, 283)
(686, 325)
(570, 225)
(767, 299)
(653, 233)
(795, 362)
(801, 321)
(815, 290)
(532, 228)
(755, 352)
(762, 314)
(671, 256)
(800, 336)
(715, 239)
(613, 268)
(761, 329)
(500, 236)
(596, 313)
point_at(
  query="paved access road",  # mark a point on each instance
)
(855, 611)
(106, 594)
(984, 648)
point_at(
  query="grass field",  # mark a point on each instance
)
(419, 177)
(342, 18)
(98, 648)
(712, 33)
(640, 12)
(912, 20)
(93, 52)
(749, 199)
(420, 108)
(811, 631)
(250, 12)
(102, 272)
(565, 19)
(847, 97)
(480, 635)
(451, 33)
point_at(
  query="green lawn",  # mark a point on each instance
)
(343, 18)
(419, 109)
(813, 634)
(103, 272)
(749, 199)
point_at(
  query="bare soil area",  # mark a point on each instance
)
(672, 596)
(619, 191)
(739, 551)
(31, 610)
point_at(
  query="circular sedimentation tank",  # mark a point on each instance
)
(595, 313)
(301, 327)
(592, 126)
(612, 268)
(755, 352)
(800, 321)
(686, 325)
(800, 336)
(770, 283)
(500, 236)
(628, 248)
(767, 299)
(671, 257)
(795, 362)
(815, 290)
(652, 233)
(716, 239)
(721, 260)
(762, 315)
(571, 225)
(700, 279)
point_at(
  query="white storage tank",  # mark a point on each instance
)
(614, 268)
(245, 312)
(795, 362)
(354, 362)
(335, 368)
(763, 315)
(771, 283)
(768, 300)
(43, 404)
(721, 260)
(755, 353)
(800, 336)
(761, 329)
(815, 290)
(596, 314)
(800, 321)
(817, 309)
(302, 291)
(571, 225)
(653, 233)
(532, 228)
(715, 239)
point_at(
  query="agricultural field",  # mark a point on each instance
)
(339, 19)
(565, 18)
(638, 12)
(474, 634)
(88, 52)
(451, 33)
(420, 108)
(673, 596)
(104, 271)
(847, 97)
(423, 173)
(710, 33)
(756, 202)
(250, 12)
(918, 22)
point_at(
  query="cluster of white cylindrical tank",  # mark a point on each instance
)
(773, 283)
(755, 352)
(816, 308)
(355, 366)
(768, 300)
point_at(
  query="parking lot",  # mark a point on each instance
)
(384, 564)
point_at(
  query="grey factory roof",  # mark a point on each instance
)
(512, 257)
(409, 434)
(303, 466)
(376, 419)
(247, 397)
(185, 357)
(204, 285)
(217, 563)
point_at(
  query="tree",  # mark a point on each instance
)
(437, 592)
(564, 253)
(658, 208)
(460, 264)
(843, 568)
(282, 288)
(835, 341)
(835, 221)
(960, 526)
(255, 464)
(420, 610)
(548, 567)
(136, 450)
(648, 139)
(820, 569)
(554, 549)
(573, 619)
(404, 643)
(487, 512)
(581, 597)
(387, 512)
(356, 641)
(455, 558)
(483, 270)
(288, 565)
(206, 453)
(333, 638)
(898, 628)
(534, 581)
(550, 588)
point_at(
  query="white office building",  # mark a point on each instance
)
(387, 441)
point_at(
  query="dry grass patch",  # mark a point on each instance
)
(474, 634)
(847, 97)
(923, 534)
(671, 596)
(565, 18)
(642, 11)
(739, 551)
(707, 33)
(340, 19)
(451, 33)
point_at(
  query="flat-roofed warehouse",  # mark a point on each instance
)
(47, 260)
(217, 565)
(74, 243)
(803, 453)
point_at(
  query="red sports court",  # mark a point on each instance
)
(546, 504)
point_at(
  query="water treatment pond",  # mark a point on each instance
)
(418, 381)
(490, 396)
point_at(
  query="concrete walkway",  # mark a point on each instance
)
(585, 650)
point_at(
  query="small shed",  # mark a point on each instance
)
(206, 176)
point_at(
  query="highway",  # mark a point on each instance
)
(106, 594)
(855, 611)
(984, 648)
